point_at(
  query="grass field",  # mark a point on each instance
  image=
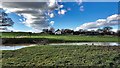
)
(63, 56)
(69, 38)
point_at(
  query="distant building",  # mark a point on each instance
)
(68, 31)
(58, 32)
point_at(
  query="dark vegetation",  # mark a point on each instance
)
(64, 35)
(19, 38)
(101, 56)
(104, 31)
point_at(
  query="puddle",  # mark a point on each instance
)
(8, 47)
(15, 47)
(90, 43)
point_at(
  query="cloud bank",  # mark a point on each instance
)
(32, 12)
(36, 13)
(109, 21)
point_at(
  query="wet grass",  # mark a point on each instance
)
(63, 56)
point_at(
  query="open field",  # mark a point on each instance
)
(63, 56)
(67, 38)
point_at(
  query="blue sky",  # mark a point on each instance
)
(74, 17)
(92, 12)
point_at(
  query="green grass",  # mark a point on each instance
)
(68, 38)
(63, 56)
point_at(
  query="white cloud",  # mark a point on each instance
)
(79, 1)
(115, 30)
(20, 20)
(62, 12)
(60, 0)
(0, 4)
(52, 4)
(35, 12)
(101, 0)
(52, 23)
(61, 6)
(81, 8)
(113, 17)
(16, 30)
(51, 15)
(109, 21)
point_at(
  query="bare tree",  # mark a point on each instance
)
(5, 21)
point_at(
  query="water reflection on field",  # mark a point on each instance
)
(90, 43)
(15, 47)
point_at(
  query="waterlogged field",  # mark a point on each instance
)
(63, 56)
(68, 38)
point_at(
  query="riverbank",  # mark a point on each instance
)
(63, 56)
(45, 39)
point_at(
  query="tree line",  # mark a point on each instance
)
(104, 31)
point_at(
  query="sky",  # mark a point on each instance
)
(68, 15)
(92, 12)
